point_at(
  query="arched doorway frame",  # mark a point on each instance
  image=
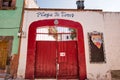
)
(30, 64)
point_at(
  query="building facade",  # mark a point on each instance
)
(69, 44)
(10, 22)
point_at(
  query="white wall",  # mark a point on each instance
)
(112, 39)
(107, 23)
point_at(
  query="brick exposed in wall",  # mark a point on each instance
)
(14, 65)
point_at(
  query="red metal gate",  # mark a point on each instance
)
(67, 60)
(56, 60)
(45, 66)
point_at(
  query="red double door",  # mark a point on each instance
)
(56, 59)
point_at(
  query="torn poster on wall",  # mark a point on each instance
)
(96, 47)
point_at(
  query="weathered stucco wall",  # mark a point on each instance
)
(112, 39)
(10, 21)
(106, 23)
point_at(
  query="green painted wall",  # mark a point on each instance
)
(10, 21)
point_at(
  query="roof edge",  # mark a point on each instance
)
(53, 9)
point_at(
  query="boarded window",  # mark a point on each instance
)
(7, 4)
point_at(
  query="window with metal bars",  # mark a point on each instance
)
(55, 33)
